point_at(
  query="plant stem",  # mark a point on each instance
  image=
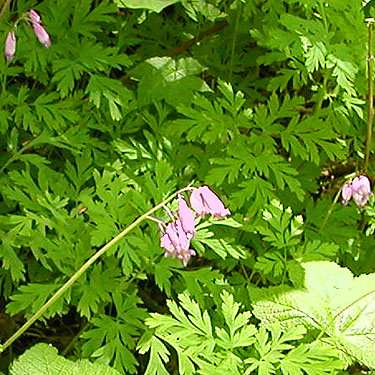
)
(19, 153)
(370, 117)
(233, 49)
(337, 196)
(75, 339)
(84, 268)
(4, 8)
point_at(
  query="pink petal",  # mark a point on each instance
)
(360, 200)
(362, 185)
(171, 231)
(166, 243)
(196, 202)
(185, 256)
(34, 16)
(213, 203)
(347, 192)
(10, 46)
(184, 241)
(186, 217)
(41, 34)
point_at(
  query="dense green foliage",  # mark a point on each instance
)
(264, 101)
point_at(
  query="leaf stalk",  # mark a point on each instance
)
(370, 116)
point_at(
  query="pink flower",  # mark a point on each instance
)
(10, 46)
(34, 16)
(176, 242)
(361, 190)
(347, 193)
(41, 34)
(204, 201)
(186, 217)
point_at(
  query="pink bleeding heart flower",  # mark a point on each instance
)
(204, 201)
(10, 46)
(347, 193)
(34, 16)
(361, 190)
(177, 243)
(41, 34)
(186, 217)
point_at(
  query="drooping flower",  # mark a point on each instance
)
(361, 190)
(186, 217)
(204, 201)
(177, 243)
(34, 16)
(347, 193)
(41, 34)
(10, 46)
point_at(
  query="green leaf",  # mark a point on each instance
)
(96, 290)
(43, 359)
(155, 5)
(112, 90)
(279, 227)
(32, 297)
(240, 331)
(315, 57)
(331, 300)
(312, 359)
(112, 339)
(270, 350)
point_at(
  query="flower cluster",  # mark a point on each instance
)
(359, 189)
(176, 240)
(39, 30)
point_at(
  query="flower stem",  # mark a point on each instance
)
(370, 116)
(324, 223)
(84, 268)
(234, 40)
(4, 8)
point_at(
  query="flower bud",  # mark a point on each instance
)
(34, 16)
(10, 46)
(41, 34)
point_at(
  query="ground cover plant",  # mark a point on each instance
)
(186, 187)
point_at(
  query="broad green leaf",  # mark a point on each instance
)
(155, 5)
(331, 301)
(43, 359)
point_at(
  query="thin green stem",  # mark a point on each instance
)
(370, 116)
(234, 40)
(75, 339)
(4, 8)
(84, 268)
(318, 105)
(156, 220)
(245, 273)
(337, 196)
(323, 15)
(283, 277)
(19, 153)
(4, 83)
